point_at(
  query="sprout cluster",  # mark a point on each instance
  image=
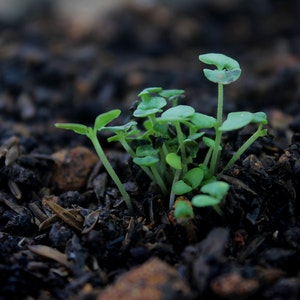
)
(163, 139)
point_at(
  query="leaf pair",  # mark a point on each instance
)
(228, 69)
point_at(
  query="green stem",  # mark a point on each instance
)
(111, 171)
(152, 119)
(159, 180)
(207, 156)
(172, 195)
(258, 133)
(218, 138)
(180, 138)
(126, 146)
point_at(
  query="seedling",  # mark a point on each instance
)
(91, 133)
(163, 139)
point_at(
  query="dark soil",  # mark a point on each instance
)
(65, 232)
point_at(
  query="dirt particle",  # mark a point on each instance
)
(154, 280)
(72, 168)
(234, 285)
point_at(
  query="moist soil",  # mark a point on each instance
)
(66, 233)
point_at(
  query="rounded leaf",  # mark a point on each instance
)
(219, 60)
(204, 201)
(194, 177)
(260, 117)
(222, 76)
(180, 188)
(149, 91)
(183, 210)
(236, 120)
(150, 106)
(174, 160)
(145, 150)
(203, 121)
(217, 189)
(105, 118)
(171, 93)
(177, 113)
(146, 161)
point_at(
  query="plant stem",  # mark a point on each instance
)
(159, 180)
(180, 138)
(172, 195)
(111, 171)
(258, 133)
(216, 152)
(207, 156)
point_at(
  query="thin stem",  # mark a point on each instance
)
(125, 145)
(159, 180)
(180, 138)
(220, 104)
(258, 133)
(172, 195)
(207, 156)
(218, 138)
(111, 171)
(152, 119)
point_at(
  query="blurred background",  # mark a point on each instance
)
(69, 60)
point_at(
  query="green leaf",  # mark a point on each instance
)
(210, 143)
(204, 201)
(146, 161)
(162, 129)
(142, 113)
(206, 171)
(228, 69)
(146, 150)
(180, 188)
(203, 121)
(222, 76)
(236, 120)
(121, 128)
(191, 147)
(174, 160)
(105, 118)
(150, 106)
(183, 210)
(219, 60)
(259, 117)
(217, 189)
(196, 136)
(78, 128)
(171, 93)
(149, 90)
(177, 113)
(194, 177)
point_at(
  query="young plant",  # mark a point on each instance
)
(91, 133)
(163, 139)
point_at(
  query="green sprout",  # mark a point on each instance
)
(183, 211)
(228, 71)
(163, 139)
(91, 133)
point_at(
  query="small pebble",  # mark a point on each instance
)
(73, 167)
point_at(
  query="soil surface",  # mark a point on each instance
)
(65, 232)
